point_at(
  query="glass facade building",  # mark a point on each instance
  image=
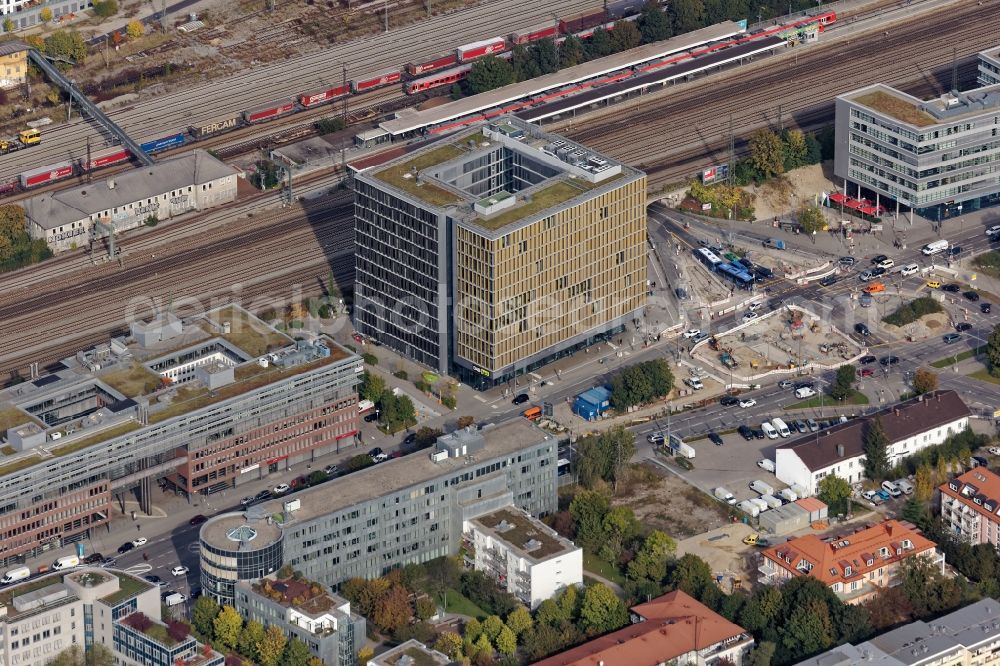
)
(238, 546)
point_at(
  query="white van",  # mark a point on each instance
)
(909, 269)
(891, 488)
(769, 430)
(935, 247)
(905, 486)
(67, 562)
(780, 426)
(804, 392)
(15, 575)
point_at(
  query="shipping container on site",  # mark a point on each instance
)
(535, 33)
(106, 158)
(269, 112)
(224, 124)
(165, 143)
(416, 69)
(581, 21)
(486, 47)
(315, 99)
(46, 174)
(384, 79)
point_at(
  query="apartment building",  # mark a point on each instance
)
(405, 510)
(522, 554)
(938, 157)
(201, 404)
(497, 250)
(13, 60)
(989, 67)
(306, 610)
(909, 426)
(968, 636)
(970, 506)
(411, 653)
(855, 566)
(672, 629)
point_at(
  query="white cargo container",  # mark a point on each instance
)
(760, 504)
(788, 494)
(772, 501)
(748, 507)
(760, 487)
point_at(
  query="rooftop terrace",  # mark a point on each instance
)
(306, 596)
(525, 536)
(896, 106)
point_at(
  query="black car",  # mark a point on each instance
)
(728, 401)
(972, 295)
(847, 261)
(758, 433)
(377, 451)
(125, 547)
(954, 250)
(877, 272)
(247, 501)
(862, 329)
(828, 280)
(263, 495)
(410, 439)
(197, 520)
(889, 360)
(371, 417)
(879, 258)
(746, 432)
(963, 326)
(799, 385)
(520, 399)
(715, 439)
(93, 558)
(953, 288)
(109, 562)
(985, 308)
(746, 263)
(867, 360)
(155, 580)
(763, 272)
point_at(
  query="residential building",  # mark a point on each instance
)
(13, 60)
(405, 510)
(40, 618)
(201, 405)
(970, 506)
(674, 628)
(498, 249)
(938, 157)
(854, 566)
(74, 216)
(968, 636)
(909, 426)
(989, 67)
(410, 653)
(25, 14)
(140, 640)
(522, 554)
(306, 610)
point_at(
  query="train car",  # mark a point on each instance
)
(445, 78)
(417, 69)
(25, 139)
(224, 124)
(584, 21)
(621, 8)
(9, 186)
(47, 174)
(106, 158)
(166, 143)
(379, 81)
(269, 112)
(315, 99)
(475, 50)
(535, 33)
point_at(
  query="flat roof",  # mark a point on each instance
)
(230, 531)
(410, 120)
(397, 474)
(913, 111)
(529, 538)
(991, 54)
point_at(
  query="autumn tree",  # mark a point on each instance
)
(296, 654)
(272, 646)
(888, 608)
(365, 654)
(251, 636)
(8, 25)
(506, 641)
(519, 620)
(226, 627)
(392, 610)
(602, 611)
(794, 147)
(45, 15)
(876, 448)
(812, 221)
(923, 483)
(924, 381)
(492, 626)
(135, 29)
(767, 153)
(203, 616)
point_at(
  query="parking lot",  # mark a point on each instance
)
(732, 465)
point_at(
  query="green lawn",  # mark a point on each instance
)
(961, 356)
(989, 263)
(856, 398)
(595, 564)
(984, 375)
(459, 603)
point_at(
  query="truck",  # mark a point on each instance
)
(749, 508)
(761, 488)
(724, 495)
(67, 562)
(775, 243)
(14, 575)
(681, 449)
(174, 599)
(788, 494)
(772, 501)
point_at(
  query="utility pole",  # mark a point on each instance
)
(387, 15)
(781, 121)
(88, 160)
(732, 152)
(346, 96)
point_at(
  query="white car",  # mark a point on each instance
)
(692, 332)
(694, 383)
(994, 450)
(750, 316)
(804, 392)
(380, 457)
(886, 264)
(747, 402)
(994, 230)
(179, 571)
(141, 541)
(909, 269)
(281, 489)
(753, 307)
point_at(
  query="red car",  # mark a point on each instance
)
(357, 338)
(867, 372)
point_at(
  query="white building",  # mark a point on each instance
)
(989, 67)
(66, 219)
(923, 421)
(522, 554)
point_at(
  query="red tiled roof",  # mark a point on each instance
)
(987, 487)
(811, 504)
(674, 624)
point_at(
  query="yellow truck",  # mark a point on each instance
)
(25, 139)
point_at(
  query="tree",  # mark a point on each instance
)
(693, 576)
(641, 383)
(98, 655)
(8, 25)
(546, 55)
(492, 626)
(876, 451)
(924, 381)
(808, 630)
(794, 148)
(490, 72)
(506, 641)
(604, 455)
(541, 641)
(835, 492)
(227, 625)
(620, 526)
(923, 484)
(523, 62)
(888, 608)
(251, 636)
(483, 647)
(203, 616)
(372, 387)
(569, 602)
(600, 44)
(106, 8)
(993, 351)
(135, 29)
(472, 630)
(45, 15)
(66, 44)
(688, 15)
(571, 52)
(519, 620)
(650, 563)
(364, 654)
(914, 511)
(271, 647)
(548, 612)
(812, 221)
(449, 643)
(762, 609)
(766, 152)
(625, 36)
(397, 411)
(465, 421)
(425, 608)
(392, 610)
(71, 656)
(588, 510)
(762, 654)
(814, 151)
(843, 385)
(296, 654)
(602, 611)
(653, 23)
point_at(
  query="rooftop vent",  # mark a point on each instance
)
(533, 544)
(503, 526)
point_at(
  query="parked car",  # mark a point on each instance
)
(828, 280)
(750, 316)
(804, 392)
(972, 295)
(747, 402)
(994, 230)
(746, 432)
(963, 326)
(179, 571)
(884, 496)
(758, 433)
(371, 417)
(889, 360)
(865, 276)
(866, 360)
(867, 372)
(247, 501)
(691, 332)
(800, 426)
(847, 261)
(862, 329)
(802, 385)
(330, 470)
(766, 465)
(197, 520)
(953, 288)
(93, 558)
(281, 489)
(785, 384)
(878, 259)
(141, 541)
(955, 250)
(886, 264)
(520, 399)
(715, 439)
(951, 337)
(985, 308)
(994, 450)
(877, 272)
(379, 457)
(934, 284)
(728, 401)
(263, 495)
(753, 307)
(155, 580)
(812, 425)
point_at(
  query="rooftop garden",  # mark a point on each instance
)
(134, 381)
(553, 195)
(12, 416)
(419, 657)
(169, 635)
(128, 587)
(521, 531)
(97, 438)
(7, 596)
(247, 332)
(293, 590)
(403, 176)
(19, 464)
(896, 107)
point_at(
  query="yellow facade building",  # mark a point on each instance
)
(13, 63)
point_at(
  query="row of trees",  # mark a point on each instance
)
(17, 249)
(396, 412)
(641, 383)
(226, 631)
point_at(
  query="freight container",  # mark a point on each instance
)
(268, 113)
(384, 79)
(212, 127)
(748, 507)
(788, 494)
(107, 158)
(772, 501)
(167, 142)
(760, 487)
(535, 33)
(14, 575)
(761, 505)
(416, 69)
(46, 174)
(486, 47)
(330, 95)
(579, 22)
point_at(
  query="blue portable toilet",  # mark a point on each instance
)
(79, 549)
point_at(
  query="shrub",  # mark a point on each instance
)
(106, 8)
(400, 374)
(330, 125)
(370, 359)
(912, 311)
